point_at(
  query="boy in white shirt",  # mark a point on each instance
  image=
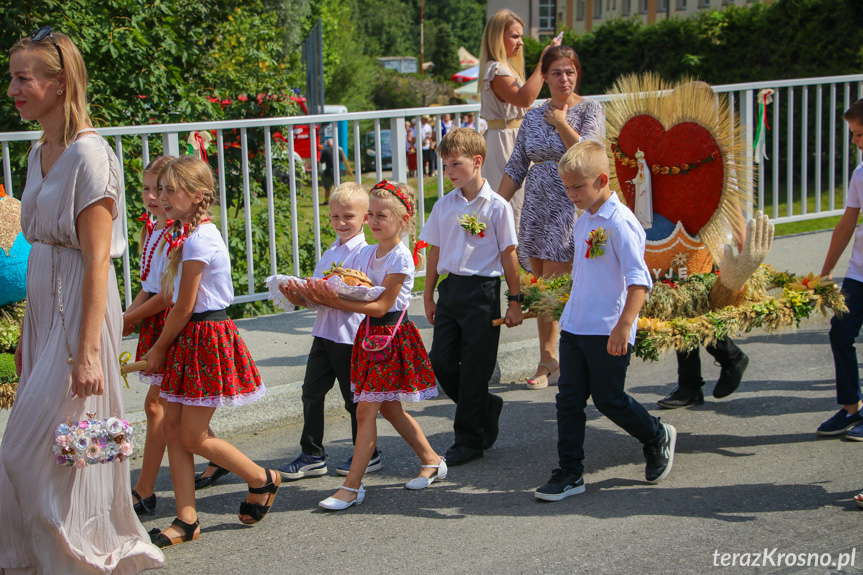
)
(334, 332)
(609, 285)
(845, 328)
(471, 234)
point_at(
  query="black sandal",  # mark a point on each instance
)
(143, 506)
(162, 541)
(255, 510)
(201, 482)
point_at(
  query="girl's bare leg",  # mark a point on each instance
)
(197, 438)
(182, 465)
(367, 439)
(410, 430)
(154, 448)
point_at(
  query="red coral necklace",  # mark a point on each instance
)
(148, 257)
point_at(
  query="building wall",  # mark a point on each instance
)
(582, 15)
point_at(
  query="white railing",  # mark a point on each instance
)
(809, 171)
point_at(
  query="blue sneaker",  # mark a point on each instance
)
(374, 464)
(839, 423)
(304, 466)
(855, 433)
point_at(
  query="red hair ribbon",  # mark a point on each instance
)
(172, 243)
(398, 193)
(417, 247)
(145, 217)
(202, 146)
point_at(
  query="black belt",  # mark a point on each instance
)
(210, 315)
(389, 318)
(471, 279)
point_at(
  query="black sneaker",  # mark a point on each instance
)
(660, 457)
(730, 377)
(681, 397)
(562, 484)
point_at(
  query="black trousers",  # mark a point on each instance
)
(328, 361)
(725, 351)
(464, 350)
(588, 370)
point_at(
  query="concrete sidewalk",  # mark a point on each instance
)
(279, 344)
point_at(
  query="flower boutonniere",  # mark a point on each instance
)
(595, 241)
(472, 224)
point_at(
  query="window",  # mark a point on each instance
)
(597, 8)
(547, 10)
(681, 4)
(610, 5)
(642, 6)
(662, 6)
(625, 7)
(579, 13)
(704, 3)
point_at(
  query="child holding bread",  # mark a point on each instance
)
(334, 332)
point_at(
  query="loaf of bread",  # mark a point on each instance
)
(350, 277)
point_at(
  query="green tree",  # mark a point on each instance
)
(445, 52)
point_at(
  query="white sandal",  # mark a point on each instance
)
(423, 482)
(542, 381)
(333, 504)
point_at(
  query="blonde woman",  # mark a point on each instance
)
(505, 95)
(55, 519)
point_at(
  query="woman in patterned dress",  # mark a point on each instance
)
(545, 232)
(380, 385)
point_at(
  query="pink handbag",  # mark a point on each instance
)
(378, 347)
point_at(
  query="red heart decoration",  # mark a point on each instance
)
(691, 198)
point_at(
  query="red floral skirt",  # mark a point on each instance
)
(151, 329)
(406, 376)
(209, 365)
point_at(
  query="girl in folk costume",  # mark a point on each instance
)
(402, 371)
(206, 364)
(149, 310)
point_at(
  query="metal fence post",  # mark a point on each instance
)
(170, 144)
(398, 136)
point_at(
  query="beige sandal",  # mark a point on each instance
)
(542, 381)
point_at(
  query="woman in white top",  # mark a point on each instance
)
(505, 95)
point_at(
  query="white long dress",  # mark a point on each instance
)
(56, 519)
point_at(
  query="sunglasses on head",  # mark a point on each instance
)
(40, 35)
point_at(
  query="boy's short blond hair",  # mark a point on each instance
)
(350, 192)
(587, 157)
(462, 142)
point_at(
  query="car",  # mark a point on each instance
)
(368, 152)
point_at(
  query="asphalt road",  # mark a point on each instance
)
(750, 474)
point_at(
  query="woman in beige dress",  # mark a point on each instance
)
(505, 95)
(55, 519)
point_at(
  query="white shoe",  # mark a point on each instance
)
(423, 482)
(333, 504)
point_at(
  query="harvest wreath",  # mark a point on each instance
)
(678, 315)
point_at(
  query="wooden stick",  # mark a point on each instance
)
(501, 321)
(128, 368)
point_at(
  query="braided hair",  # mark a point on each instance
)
(187, 175)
